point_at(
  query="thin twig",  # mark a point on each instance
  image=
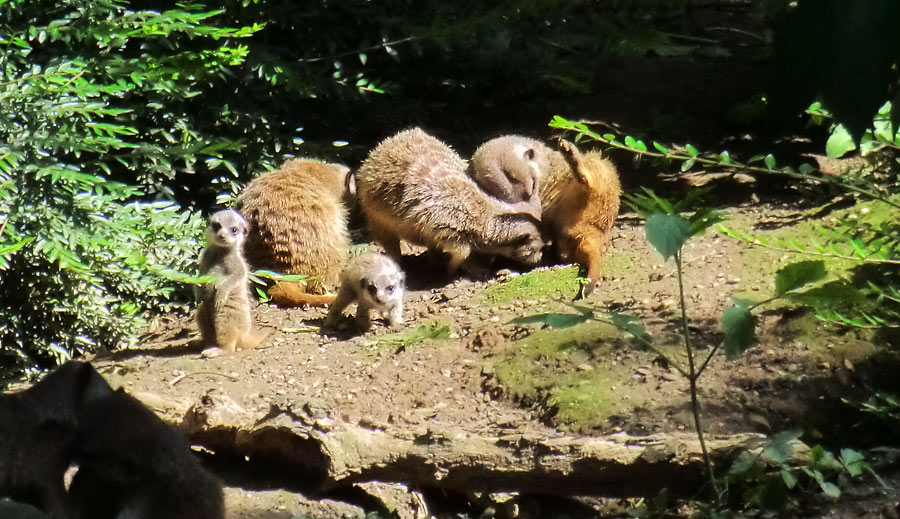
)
(183, 376)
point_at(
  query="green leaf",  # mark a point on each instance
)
(839, 143)
(830, 489)
(797, 275)
(629, 324)
(659, 147)
(769, 161)
(703, 219)
(780, 448)
(667, 233)
(724, 158)
(686, 165)
(790, 480)
(553, 320)
(692, 151)
(853, 461)
(740, 330)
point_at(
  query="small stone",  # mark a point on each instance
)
(585, 367)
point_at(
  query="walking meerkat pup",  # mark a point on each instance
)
(580, 199)
(374, 282)
(414, 187)
(510, 168)
(223, 315)
(298, 225)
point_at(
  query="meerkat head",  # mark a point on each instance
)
(510, 168)
(226, 229)
(524, 241)
(383, 286)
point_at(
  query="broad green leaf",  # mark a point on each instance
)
(739, 326)
(686, 165)
(769, 161)
(797, 275)
(667, 233)
(629, 324)
(839, 143)
(788, 477)
(830, 489)
(630, 142)
(659, 147)
(780, 447)
(553, 320)
(853, 461)
(692, 151)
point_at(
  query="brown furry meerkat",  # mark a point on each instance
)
(414, 187)
(133, 465)
(374, 282)
(580, 199)
(510, 168)
(39, 428)
(298, 225)
(224, 316)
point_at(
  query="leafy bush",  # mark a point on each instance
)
(93, 97)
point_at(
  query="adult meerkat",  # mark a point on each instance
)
(510, 168)
(414, 187)
(39, 428)
(223, 315)
(374, 282)
(580, 199)
(298, 225)
(133, 465)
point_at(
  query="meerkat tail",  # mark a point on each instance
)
(257, 337)
(292, 294)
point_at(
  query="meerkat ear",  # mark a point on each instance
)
(529, 154)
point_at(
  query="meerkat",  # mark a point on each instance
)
(374, 282)
(414, 187)
(39, 428)
(298, 225)
(580, 199)
(510, 168)
(223, 314)
(131, 464)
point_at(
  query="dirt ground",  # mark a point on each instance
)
(459, 361)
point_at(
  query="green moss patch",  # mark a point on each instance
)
(551, 282)
(560, 372)
(428, 330)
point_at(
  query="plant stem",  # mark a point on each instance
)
(717, 162)
(692, 379)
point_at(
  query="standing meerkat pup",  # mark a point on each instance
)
(510, 168)
(298, 225)
(223, 315)
(374, 282)
(414, 187)
(580, 199)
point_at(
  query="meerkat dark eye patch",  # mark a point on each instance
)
(373, 289)
(215, 226)
(389, 289)
(234, 230)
